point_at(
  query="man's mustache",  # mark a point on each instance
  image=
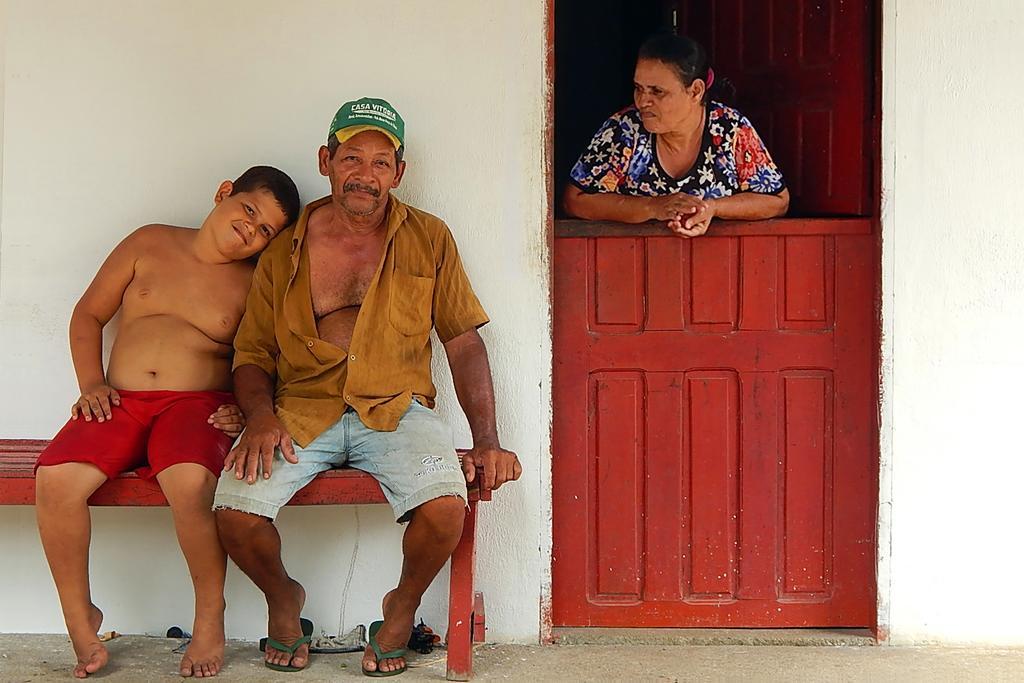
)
(351, 187)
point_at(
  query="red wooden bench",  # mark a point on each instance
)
(335, 487)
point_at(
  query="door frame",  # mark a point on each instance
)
(884, 186)
(883, 183)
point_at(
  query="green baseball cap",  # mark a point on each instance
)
(368, 113)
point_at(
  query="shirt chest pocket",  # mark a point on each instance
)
(411, 302)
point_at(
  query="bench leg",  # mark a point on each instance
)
(479, 619)
(460, 603)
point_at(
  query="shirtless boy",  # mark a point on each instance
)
(181, 293)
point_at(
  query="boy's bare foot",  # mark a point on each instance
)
(283, 626)
(399, 616)
(204, 656)
(90, 652)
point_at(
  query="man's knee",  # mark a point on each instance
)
(235, 526)
(444, 518)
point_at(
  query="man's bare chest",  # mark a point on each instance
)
(339, 280)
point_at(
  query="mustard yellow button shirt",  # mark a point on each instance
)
(420, 284)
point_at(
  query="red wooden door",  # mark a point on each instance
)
(803, 71)
(715, 425)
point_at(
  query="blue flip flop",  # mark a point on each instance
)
(393, 654)
(307, 636)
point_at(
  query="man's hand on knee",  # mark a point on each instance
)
(254, 452)
(499, 466)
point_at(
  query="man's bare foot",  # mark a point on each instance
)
(204, 656)
(90, 652)
(283, 626)
(399, 616)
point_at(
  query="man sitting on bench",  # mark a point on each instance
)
(180, 293)
(332, 367)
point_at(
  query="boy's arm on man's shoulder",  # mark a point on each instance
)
(100, 302)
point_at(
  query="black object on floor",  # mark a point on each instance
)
(178, 632)
(423, 639)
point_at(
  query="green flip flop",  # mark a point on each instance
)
(307, 630)
(307, 636)
(394, 654)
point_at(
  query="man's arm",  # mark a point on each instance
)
(471, 374)
(254, 391)
(255, 361)
(254, 452)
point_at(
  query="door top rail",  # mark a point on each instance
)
(571, 228)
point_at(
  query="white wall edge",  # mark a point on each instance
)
(546, 541)
(3, 80)
(889, 31)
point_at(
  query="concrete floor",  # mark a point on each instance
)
(135, 659)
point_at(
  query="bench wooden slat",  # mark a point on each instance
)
(18, 487)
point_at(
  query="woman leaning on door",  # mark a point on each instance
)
(678, 154)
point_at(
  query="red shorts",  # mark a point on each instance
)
(148, 432)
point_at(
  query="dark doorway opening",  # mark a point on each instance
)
(804, 72)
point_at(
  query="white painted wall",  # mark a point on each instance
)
(3, 54)
(115, 114)
(953, 233)
(121, 113)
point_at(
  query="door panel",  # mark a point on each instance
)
(616, 474)
(802, 71)
(714, 432)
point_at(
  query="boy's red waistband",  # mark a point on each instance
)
(169, 393)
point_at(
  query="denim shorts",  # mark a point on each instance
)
(414, 464)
